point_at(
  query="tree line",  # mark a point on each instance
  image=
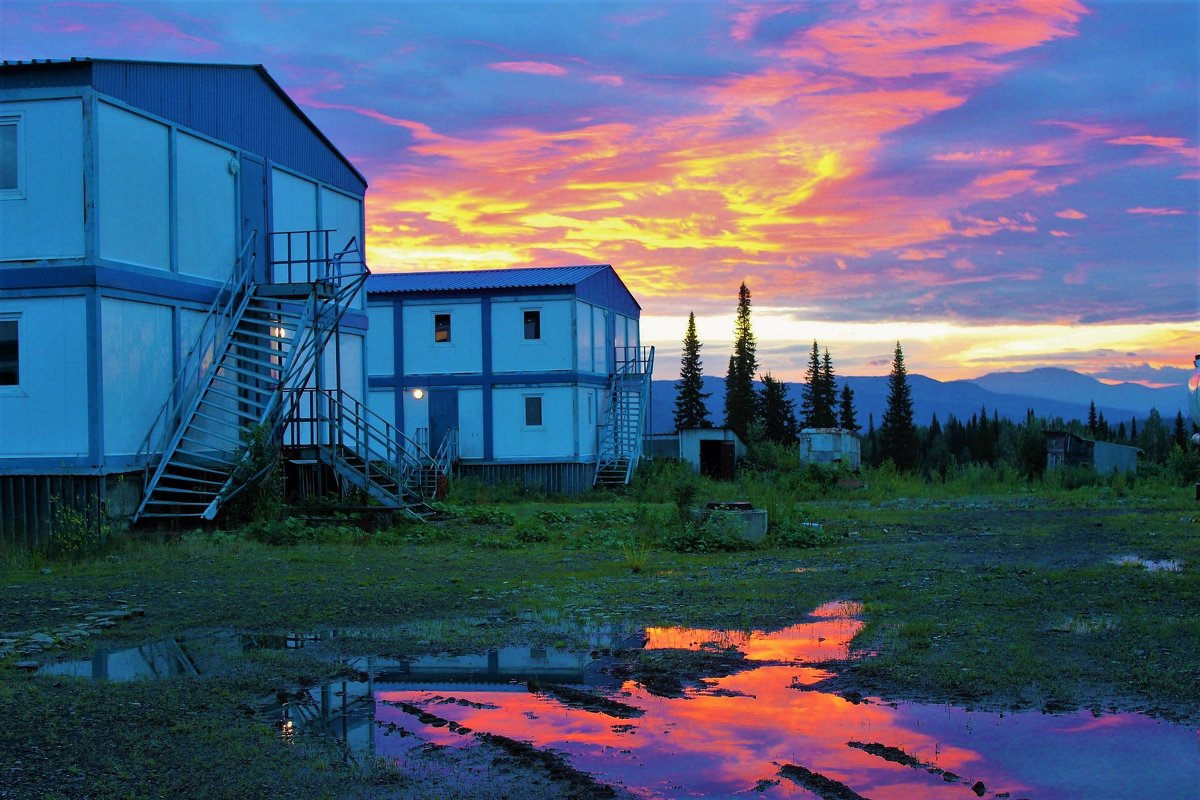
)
(768, 414)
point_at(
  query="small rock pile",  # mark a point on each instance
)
(28, 644)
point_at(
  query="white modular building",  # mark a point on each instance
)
(180, 254)
(532, 375)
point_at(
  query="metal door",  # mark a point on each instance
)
(443, 415)
(253, 175)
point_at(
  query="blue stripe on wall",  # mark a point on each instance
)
(485, 327)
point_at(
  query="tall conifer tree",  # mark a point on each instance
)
(810, 391)
(897, 433)
(740, 401)
(846, 414)
(691, 411)
(776, 411)
(826, 410)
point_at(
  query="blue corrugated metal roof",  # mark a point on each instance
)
(475, 280)
(213, 99)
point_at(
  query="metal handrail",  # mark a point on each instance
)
(210, 333)
(336, 419)
(447, 452)
(632, 362)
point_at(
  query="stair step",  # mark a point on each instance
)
(270, 352)
(166, 476)
(263, 376)
(145, 515)
(178, 490)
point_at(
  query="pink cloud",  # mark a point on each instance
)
(747, 19)
(1158, 212)
(1070, 213)
(914, 254)
(529, 68)
(606, 80)
(1059, 234)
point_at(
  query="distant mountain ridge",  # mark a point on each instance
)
(1049, 391)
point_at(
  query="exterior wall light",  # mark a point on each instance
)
(418, 394)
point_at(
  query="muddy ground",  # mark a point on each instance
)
(995, 603)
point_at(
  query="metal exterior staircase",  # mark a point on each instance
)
(364, 450)
(257, 347)
(621, 439)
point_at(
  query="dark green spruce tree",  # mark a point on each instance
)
(847, 418)
(776, 411)
(826, 410)
(897, 433)
(691, 410)
(740, 400)
(810, 391)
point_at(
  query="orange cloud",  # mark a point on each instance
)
(764, 171)
(1070, 213)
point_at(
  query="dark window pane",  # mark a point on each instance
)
(533, 411)
(441, 327)
(533, 324)
(9, 374)
(8, 156)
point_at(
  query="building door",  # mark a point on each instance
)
(443, 415)
(253, 174)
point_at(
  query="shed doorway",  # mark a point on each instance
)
(717, 459)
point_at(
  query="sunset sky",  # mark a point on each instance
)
(997, 184)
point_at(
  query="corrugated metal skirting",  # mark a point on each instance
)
(570, 479)
(30, 506)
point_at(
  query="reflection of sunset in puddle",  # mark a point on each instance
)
(733, 733)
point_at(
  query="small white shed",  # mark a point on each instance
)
(711, 451)
(830, 446)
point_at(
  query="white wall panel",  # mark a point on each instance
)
(293, 208)
(512, 352)
(588, 400)
(583, 337)
(134, 198)
(462, 354)
(600, 343)
(342, 214)
(470, 423)
(46, 219)
(554, 438)
(381, 340)
(47, 413)
(136, 363)
(383, 403)
(207, 211)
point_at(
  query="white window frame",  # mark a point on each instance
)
(15, 388)
(449, 328)
(534, 310)
(525, 398)
(17, 119)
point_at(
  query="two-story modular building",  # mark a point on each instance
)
(179, 246)
(532, 375)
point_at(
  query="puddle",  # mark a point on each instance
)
(763, 731)
(1163, 565)
(760, 732)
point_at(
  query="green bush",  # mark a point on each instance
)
(799, 535)
(76, 534)
(716, 533)
(1183, 465)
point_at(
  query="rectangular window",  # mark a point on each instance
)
(10, 374)
(533, 411)
(441, 327)
(10, 159)
(533, 324)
